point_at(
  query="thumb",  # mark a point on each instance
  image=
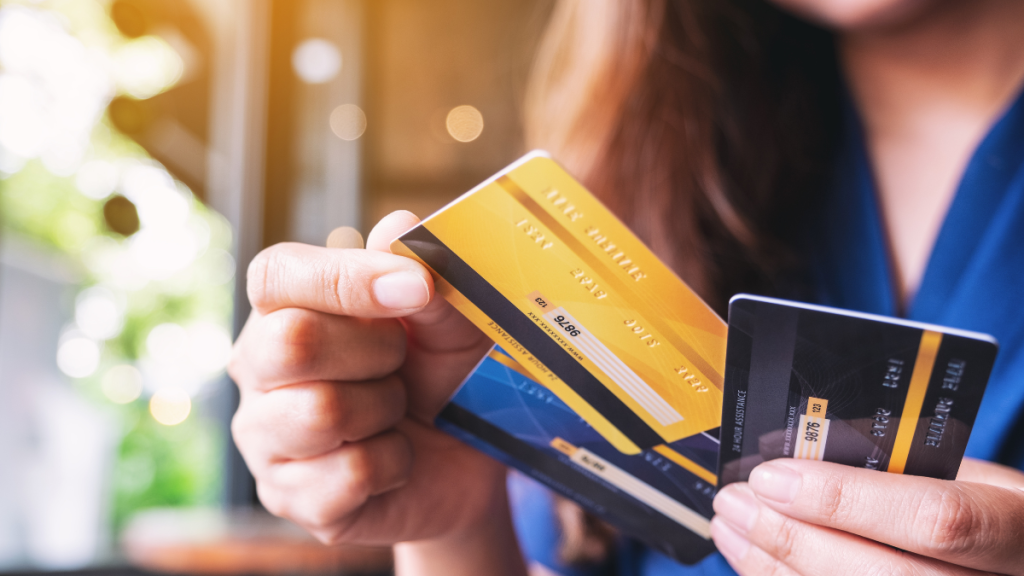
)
(443, 345)
(390, 227)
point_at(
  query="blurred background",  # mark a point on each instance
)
(148, 150)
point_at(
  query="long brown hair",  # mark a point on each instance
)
(705, 125)
(702, 123)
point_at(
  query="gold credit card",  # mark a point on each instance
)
(537, 263)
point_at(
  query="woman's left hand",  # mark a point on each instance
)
(808, 518)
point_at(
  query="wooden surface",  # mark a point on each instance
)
(209, 541)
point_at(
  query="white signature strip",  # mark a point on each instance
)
(642, 491)
(621, 374)
(617, 370)
(608, 362)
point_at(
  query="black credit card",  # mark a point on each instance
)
(811, 382)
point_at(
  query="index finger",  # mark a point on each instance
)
(972, 525)
(345, 282)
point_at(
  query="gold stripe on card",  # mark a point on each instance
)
(923, 365)
(608, 274)
(687, 464)
(508, 363)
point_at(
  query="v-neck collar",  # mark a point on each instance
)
(975, 274)
(853, 267)
(982, 189)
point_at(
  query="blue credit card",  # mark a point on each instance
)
(819, 383)
(661, 496)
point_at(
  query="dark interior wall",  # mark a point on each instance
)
(424, 58)
(418, 60)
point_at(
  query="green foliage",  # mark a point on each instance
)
(157, 465)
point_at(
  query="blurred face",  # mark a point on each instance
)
(855, 14)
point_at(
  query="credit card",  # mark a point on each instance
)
(661, 496)
(537, 263)
(820, 383)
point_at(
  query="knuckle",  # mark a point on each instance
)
(340, 531)
(833, 499)
(952, 521)
(328, 517)
(318, 519)
(786, 540)
(338, 284)
(271, 500)
(359, 473)
(327, 537)
(235, 364)
(238, 426)
(319, 409)
(241, 432)
(314, 510)
(293, 334)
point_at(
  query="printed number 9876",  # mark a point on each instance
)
(811, 432)
(572, 330)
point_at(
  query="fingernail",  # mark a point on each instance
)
(775, 482)
(730, 543)
(401, 291)
(737, 507)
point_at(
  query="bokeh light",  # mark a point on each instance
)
(209, 347)
(465, 123)
(122, 384)
(98, 314)
(97, 179)
(220, 266)
(185, 358)
(78, 356)
(170, 406)
(167, 343)
(348, 122)
(63, 160)
(159, 201)
(147, 66)
(51, 92)
(21, 114)
(316, 61)
(113, 261)
(159, 254)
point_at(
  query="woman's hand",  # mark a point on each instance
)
(342, 367)
(806, 517)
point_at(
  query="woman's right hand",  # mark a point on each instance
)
(342, 367)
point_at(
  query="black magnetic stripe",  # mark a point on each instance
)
(459, 274)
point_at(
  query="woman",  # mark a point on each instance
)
(867, 154)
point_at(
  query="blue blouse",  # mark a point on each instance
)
(974, 280)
